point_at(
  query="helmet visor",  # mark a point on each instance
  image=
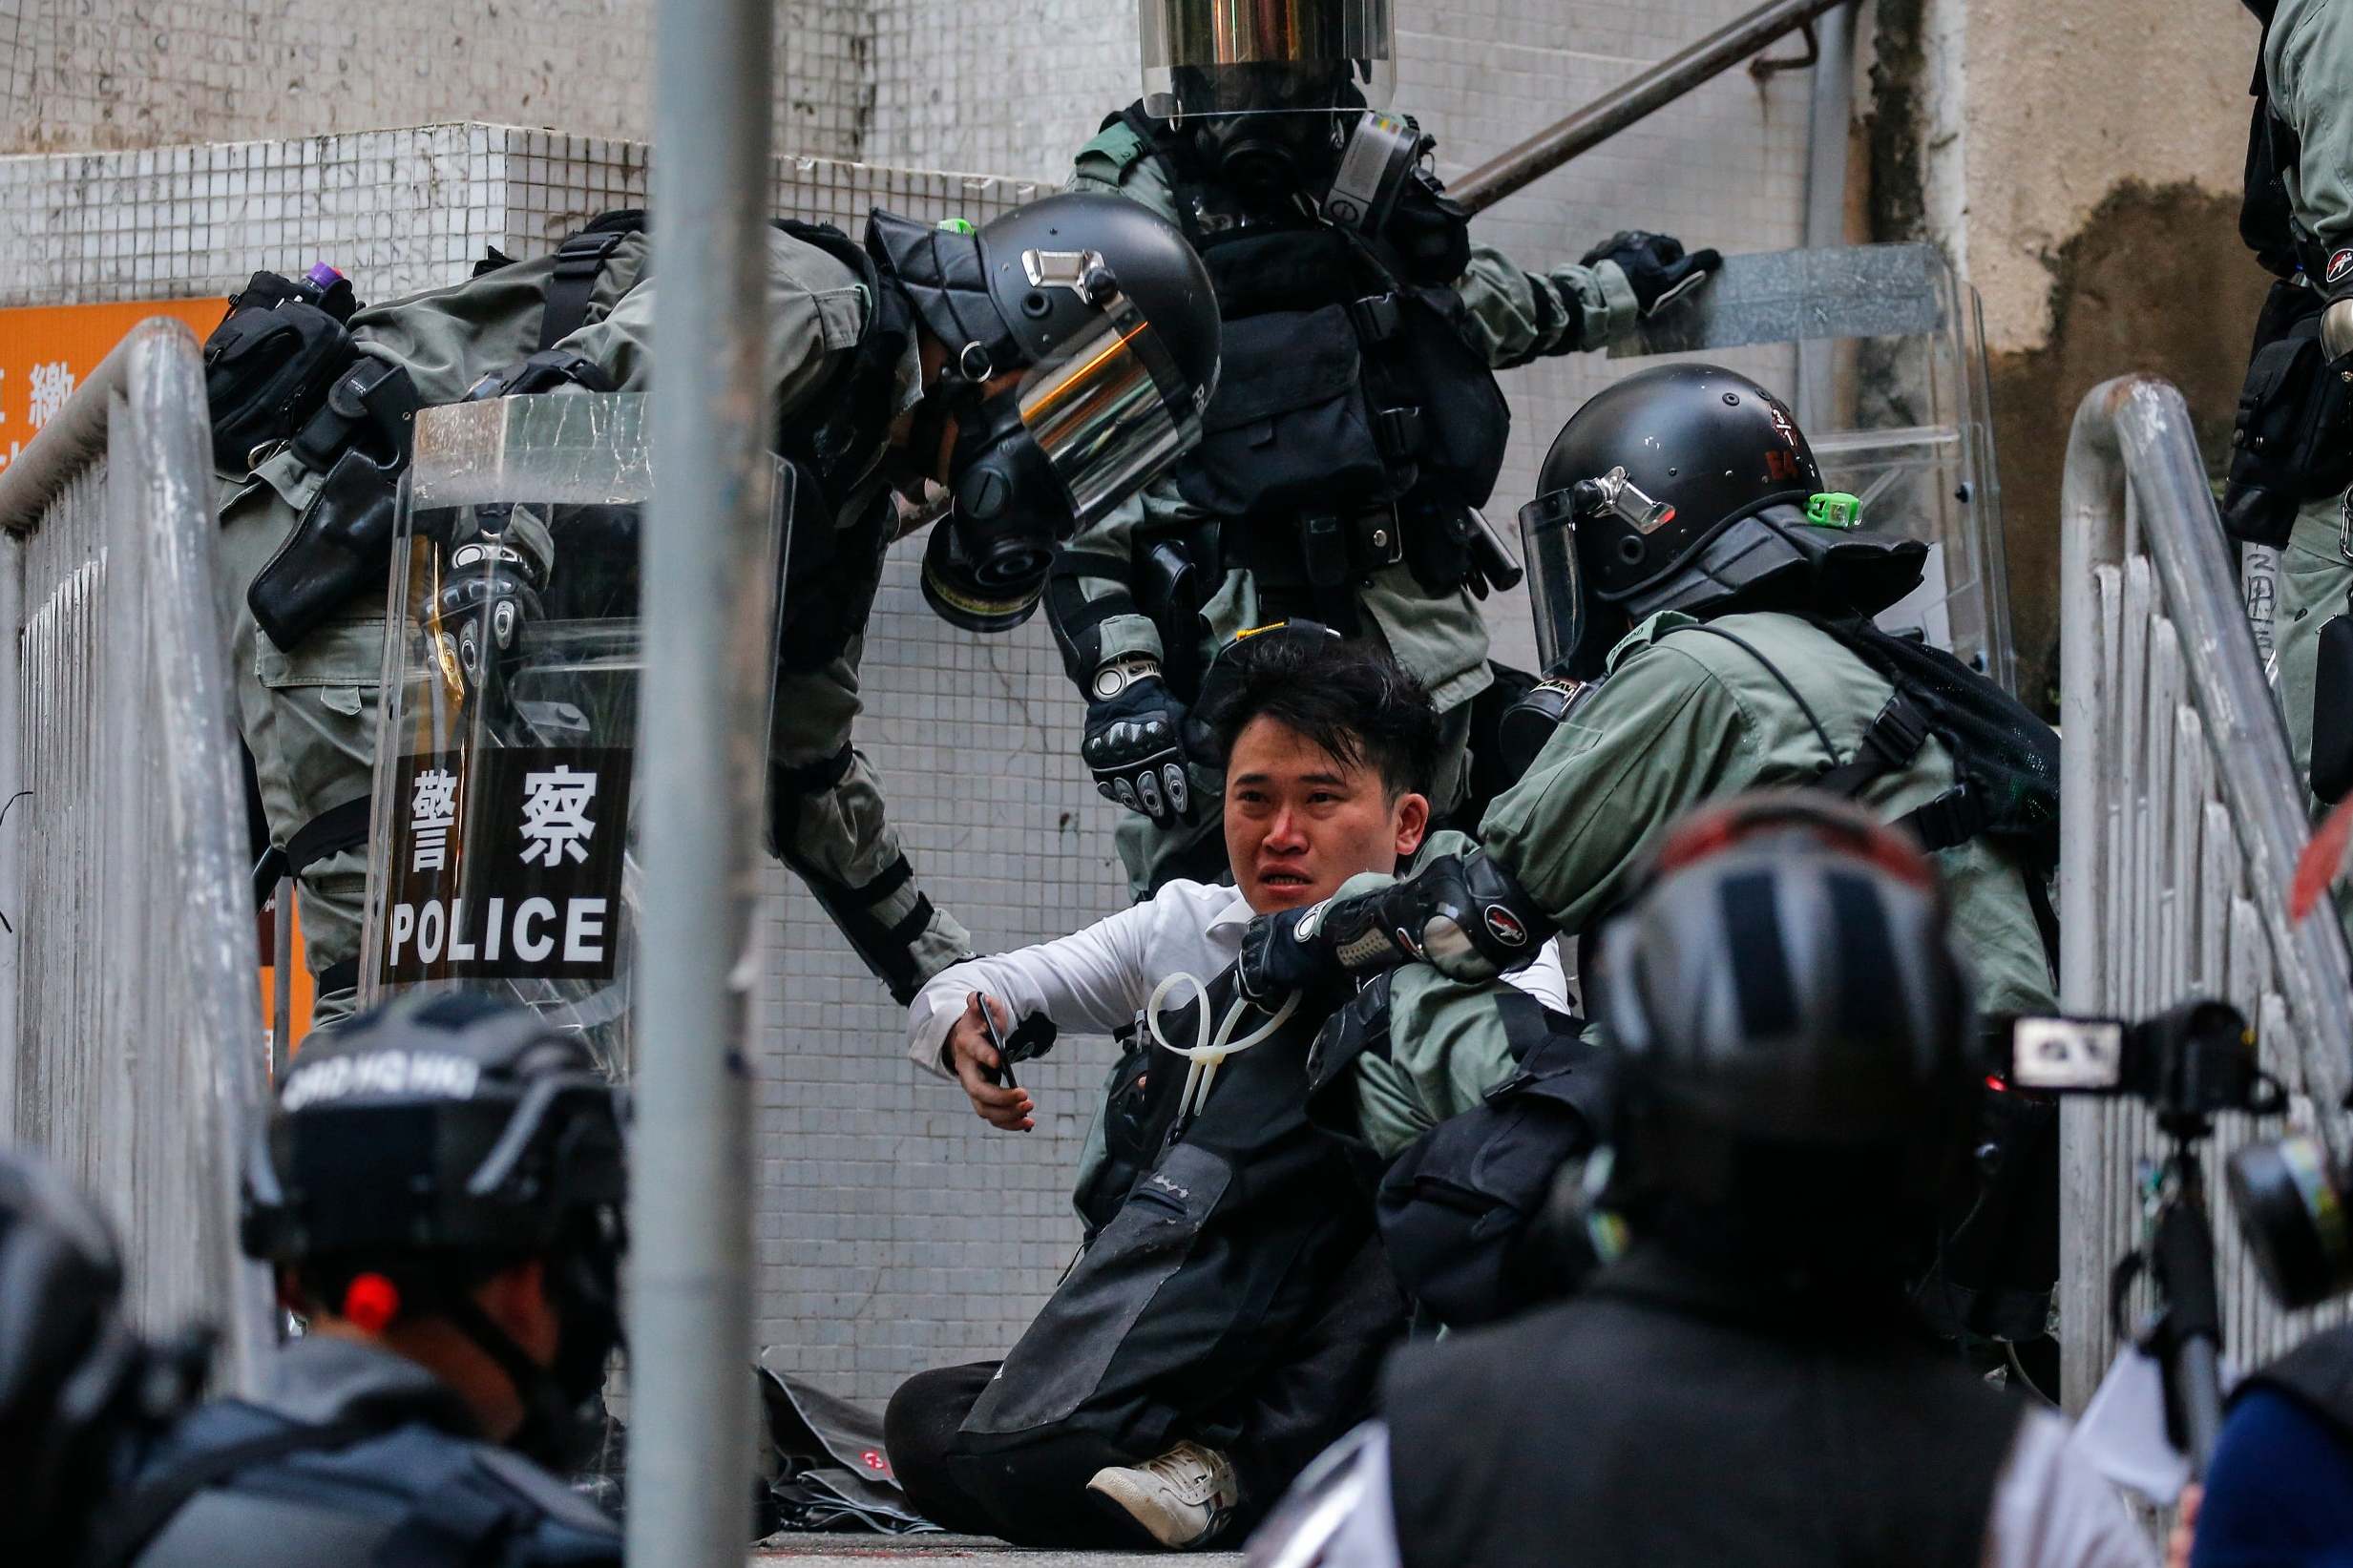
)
(1556, 584)
(1266, 56)
(1110, 411)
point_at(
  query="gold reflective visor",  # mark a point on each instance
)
(1111, 412)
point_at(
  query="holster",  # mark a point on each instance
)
(2292, 439)
(267, 366)
(342, 545)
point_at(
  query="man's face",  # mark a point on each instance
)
(1299, 822)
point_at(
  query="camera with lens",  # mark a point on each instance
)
(2290, 1198)
(2190, 1062)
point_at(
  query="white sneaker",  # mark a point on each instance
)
(1179, 1498)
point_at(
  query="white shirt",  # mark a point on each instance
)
(2051, 1508)
(1096, 980)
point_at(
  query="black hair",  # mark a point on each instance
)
(1351, 699)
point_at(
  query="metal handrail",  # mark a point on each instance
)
(1631, 101)
(142, 414)
(2132, 442)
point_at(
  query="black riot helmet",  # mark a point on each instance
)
(1795, 1045)
(420, 1147)
(1683, 486)
(75, 1381)
(1110, 320)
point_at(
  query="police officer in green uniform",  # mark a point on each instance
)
(2293, 453)
(1713, 600)
(441, 1192)
(1041, 368)
(1358, 428)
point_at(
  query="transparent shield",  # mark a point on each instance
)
(1556, 583)
(1246, 57)
(1894, 406)
(504, 853)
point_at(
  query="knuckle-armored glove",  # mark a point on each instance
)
(1656, 266)
(489, 593)
(1135, 744)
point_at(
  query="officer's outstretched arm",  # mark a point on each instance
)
(2310, 68)
(1524, 315)
(1467, 917)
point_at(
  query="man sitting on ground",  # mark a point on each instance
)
(1178, 1390)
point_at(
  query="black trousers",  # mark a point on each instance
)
(1033, 1492)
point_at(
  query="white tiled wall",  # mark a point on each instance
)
(896, 1231)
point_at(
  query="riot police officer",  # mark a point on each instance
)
(1742, 1383)
(1039, 368)
(79, 1388)
(1707, 603)
(2293, 445)
(441, 1192)
(1359, 430)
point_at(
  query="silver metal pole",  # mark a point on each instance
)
(1622, 106)
(1832, 103)
(707, 586)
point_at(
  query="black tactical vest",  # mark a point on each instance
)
(1664, 1416)
(1350, 390)
(1212, 1241)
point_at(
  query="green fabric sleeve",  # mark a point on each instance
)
(1662, 734)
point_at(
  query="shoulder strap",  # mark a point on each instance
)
(579, 259)
(133, 1521)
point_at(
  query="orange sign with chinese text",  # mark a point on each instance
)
(46, 350)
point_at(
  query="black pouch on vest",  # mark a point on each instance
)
(1458, 1210)
(266, 368)
(2332, 711)
(1289, 429)
(2293, 440)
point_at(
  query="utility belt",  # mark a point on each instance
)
(1314, 564)
(2292, 439)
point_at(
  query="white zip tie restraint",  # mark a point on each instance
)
(1206, 1053)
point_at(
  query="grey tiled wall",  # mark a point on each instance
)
(895, 1231)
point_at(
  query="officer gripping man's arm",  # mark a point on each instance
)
(1716, 609)
(1360, 429)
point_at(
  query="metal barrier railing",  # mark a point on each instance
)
(2181, 821)
(131, 1042)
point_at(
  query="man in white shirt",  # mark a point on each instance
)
(1231, 1308)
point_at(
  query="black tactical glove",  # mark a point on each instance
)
(1656, 266)
(1135, 743)
(489, 590)
(1468, 918)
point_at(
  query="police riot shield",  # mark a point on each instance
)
(1891, 390)
(503, 856)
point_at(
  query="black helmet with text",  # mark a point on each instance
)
(420, 1147)
(1109, 319)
